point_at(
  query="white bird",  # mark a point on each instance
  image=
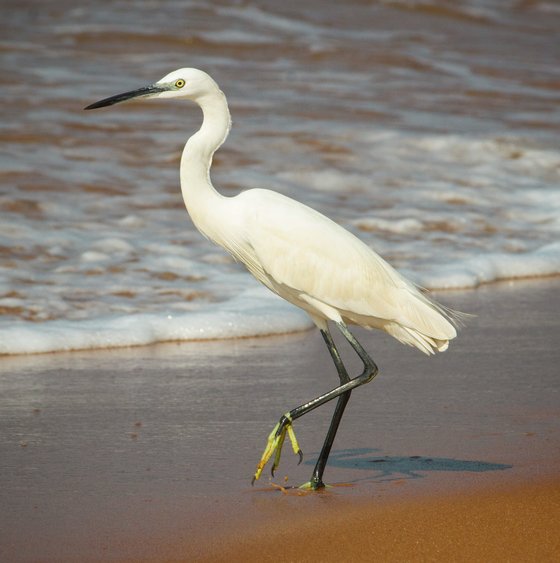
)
(301, 255)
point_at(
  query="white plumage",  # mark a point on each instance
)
(299, 254)
(314, 263)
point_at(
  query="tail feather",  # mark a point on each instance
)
(424, 323)
(413, 337)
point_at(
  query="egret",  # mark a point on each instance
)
(301, 255)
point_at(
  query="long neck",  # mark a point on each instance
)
(200, 197)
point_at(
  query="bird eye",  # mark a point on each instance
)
(179, 83)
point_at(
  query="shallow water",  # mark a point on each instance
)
(105, 454)
(429, 129)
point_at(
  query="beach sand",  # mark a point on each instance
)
(518, 523)
(146, 454)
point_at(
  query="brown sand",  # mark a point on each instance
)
(520, 524)
(146, 454)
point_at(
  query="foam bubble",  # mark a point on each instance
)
(488, 268)
(255, 312)
(446, 164)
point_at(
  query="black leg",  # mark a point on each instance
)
(369, 372)
(276, 438)
(316, 481)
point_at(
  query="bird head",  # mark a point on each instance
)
(187, 83)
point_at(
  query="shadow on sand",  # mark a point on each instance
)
(399, 467)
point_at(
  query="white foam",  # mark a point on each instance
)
(408, 225)
(464, 211)
(455, 189)
(255, 312)
(488, 268)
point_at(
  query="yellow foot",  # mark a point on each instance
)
(312, 486)
(274, 445)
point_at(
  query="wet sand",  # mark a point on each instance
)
(146, 454)
(515, 524)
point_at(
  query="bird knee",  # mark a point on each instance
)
(370, 371)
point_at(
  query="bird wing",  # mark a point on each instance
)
(290, 245)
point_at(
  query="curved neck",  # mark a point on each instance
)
(198, 193)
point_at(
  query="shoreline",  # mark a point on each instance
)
(445, 291)
(146, 454)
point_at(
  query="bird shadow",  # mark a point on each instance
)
(387, 468)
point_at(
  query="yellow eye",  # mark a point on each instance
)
(179, 83)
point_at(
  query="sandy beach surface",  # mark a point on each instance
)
(146, 454)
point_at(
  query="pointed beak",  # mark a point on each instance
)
(140, 92)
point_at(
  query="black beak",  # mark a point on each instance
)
(145, 91)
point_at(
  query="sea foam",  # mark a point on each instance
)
(254, 312)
